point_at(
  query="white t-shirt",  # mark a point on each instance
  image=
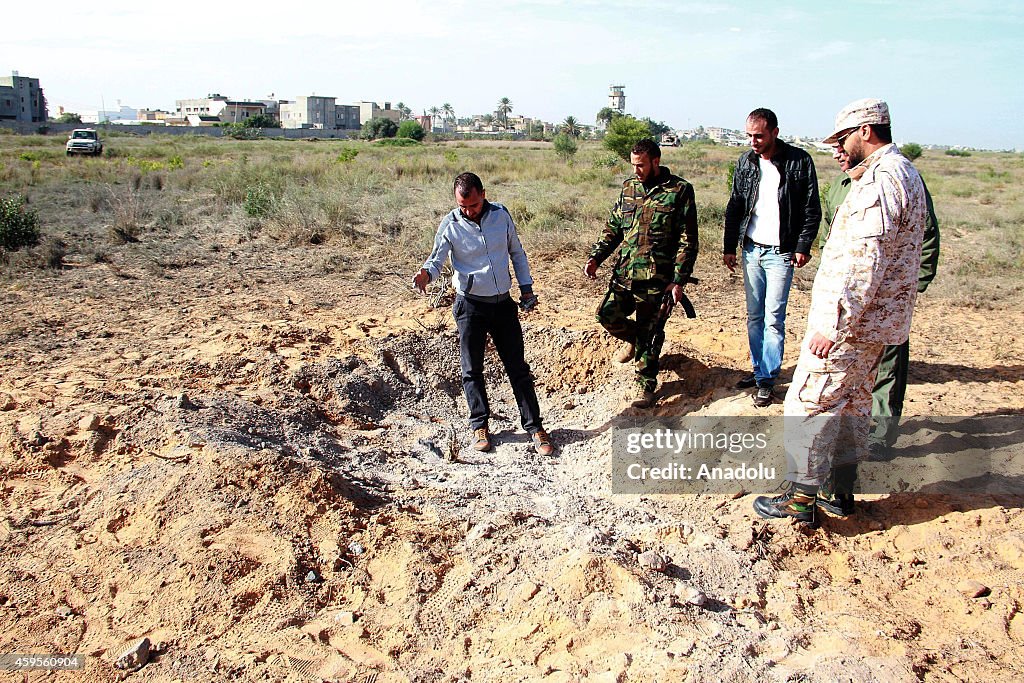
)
(763, 227)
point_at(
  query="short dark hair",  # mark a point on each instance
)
(464, 182)
(766, 115)
(647, 146)
(883, 131)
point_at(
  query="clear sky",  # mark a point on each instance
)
(951, 71)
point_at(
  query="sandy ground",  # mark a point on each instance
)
(264, 472)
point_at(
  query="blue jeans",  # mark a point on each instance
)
(767, 275)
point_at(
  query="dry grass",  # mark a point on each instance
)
(385, 203)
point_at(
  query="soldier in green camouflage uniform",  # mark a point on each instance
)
(655, 222)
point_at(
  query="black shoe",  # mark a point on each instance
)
(747, 382)
(764, 396)
(839, 505)
(792, 503)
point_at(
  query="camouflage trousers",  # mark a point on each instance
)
(828, 410)
(647, 332)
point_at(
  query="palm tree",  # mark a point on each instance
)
(434, 113)
(404, 112)
(571, 127)
(449, 114)
(503, 109)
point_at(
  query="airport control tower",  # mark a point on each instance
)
(617, 98)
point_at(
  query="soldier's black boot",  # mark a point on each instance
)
(836, 496)
(797, 502)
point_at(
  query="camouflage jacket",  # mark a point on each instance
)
(657, 229)
(835, 197)
(865, 286)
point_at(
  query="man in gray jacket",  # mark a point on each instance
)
(480, 237)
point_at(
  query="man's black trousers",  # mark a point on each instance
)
(475, 320)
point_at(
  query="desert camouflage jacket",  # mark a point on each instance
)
(657, 228)
(835, 197)
(865, 286)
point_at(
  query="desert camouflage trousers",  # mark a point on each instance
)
(647, 332)
(828, 410)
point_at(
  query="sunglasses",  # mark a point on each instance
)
(841, 140)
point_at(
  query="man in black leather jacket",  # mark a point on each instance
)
(773, 214)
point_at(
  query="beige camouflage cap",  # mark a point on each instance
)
(859, 113)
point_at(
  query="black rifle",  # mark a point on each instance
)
(666, 303)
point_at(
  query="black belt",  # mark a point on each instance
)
(747, 241)
(496, 299)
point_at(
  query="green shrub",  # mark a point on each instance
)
(261, 120)
(379, 127)
(911, 150)
(19, 227)
(259, 200)
(412, 130)
(565, 146)
(958, 153)
(607, 161)
(347, 154)
(624, 132)
(451, 156)
(240, 131)
(175, 162)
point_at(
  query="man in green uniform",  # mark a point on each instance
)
(655, 222)
(891, 381)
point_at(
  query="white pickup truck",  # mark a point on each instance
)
(84, 141)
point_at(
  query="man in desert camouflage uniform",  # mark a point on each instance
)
(890, 383)
(862, 299)
(655, 221)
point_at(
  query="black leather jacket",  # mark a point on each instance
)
(799, 206)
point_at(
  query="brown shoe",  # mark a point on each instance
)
(640, 397)
(481, 440)
(542, 443)
(625, 354)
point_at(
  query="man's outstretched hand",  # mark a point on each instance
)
(421, 280)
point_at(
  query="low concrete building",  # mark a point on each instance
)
(309, 111)
(199, 120)
(370, 110)
(224, 108)
(153, 115)
(21, 99)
